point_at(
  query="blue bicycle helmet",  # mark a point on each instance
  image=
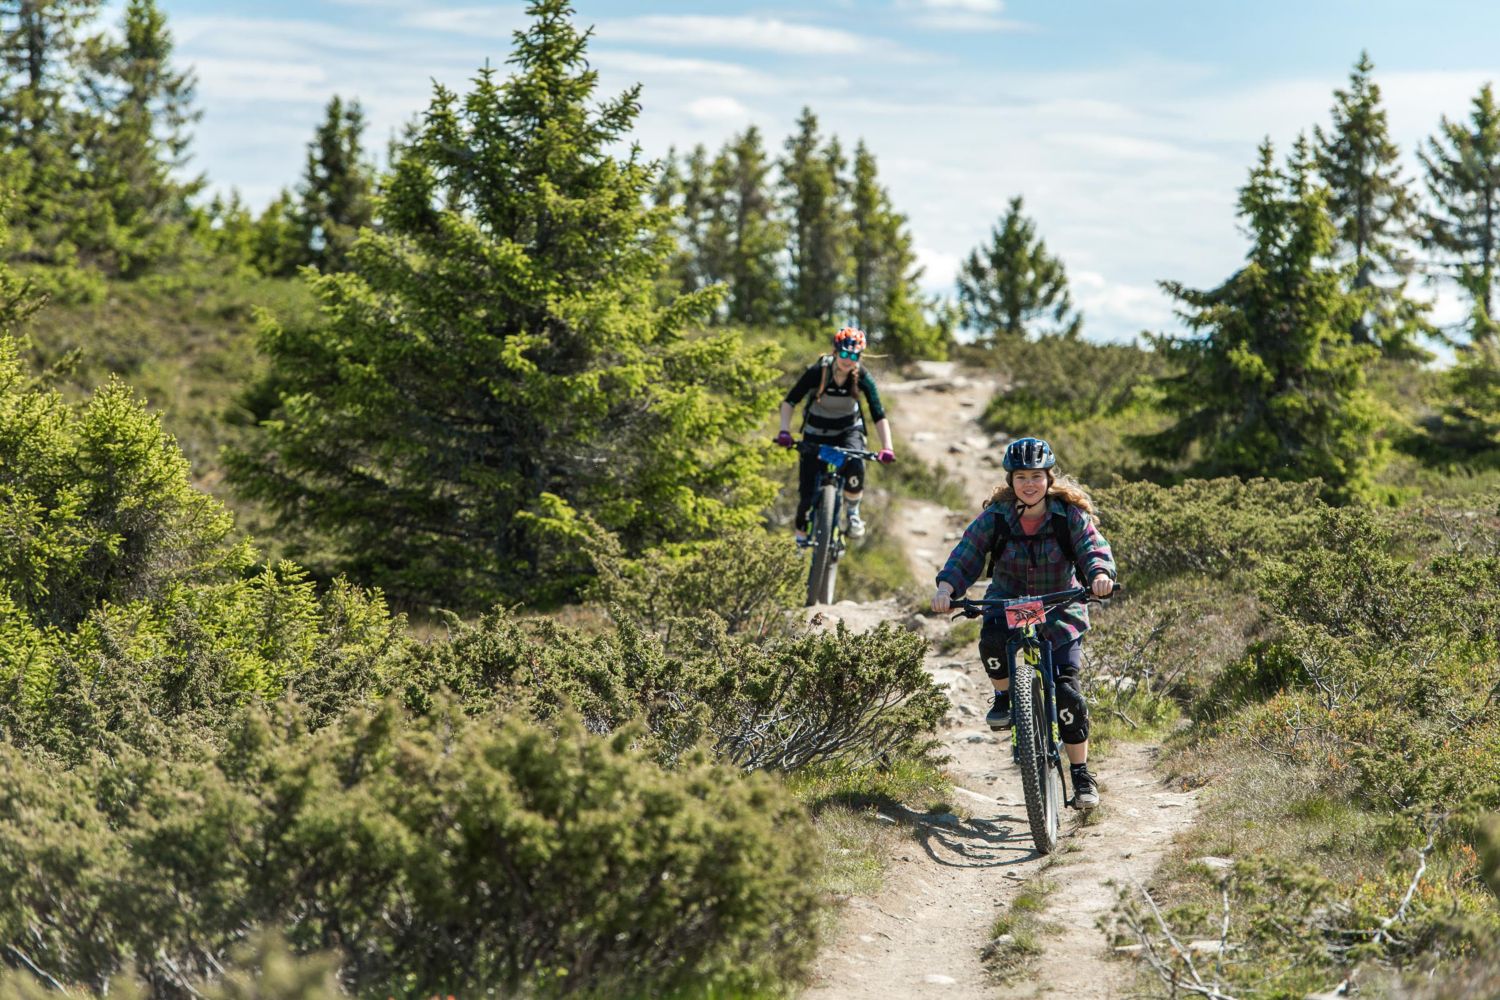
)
(1028, 453)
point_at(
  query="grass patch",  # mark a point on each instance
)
(856, 850)
(1016, 935)
(898, 785)
(964, 635)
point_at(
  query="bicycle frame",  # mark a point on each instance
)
(1035, 746)
(825, 537)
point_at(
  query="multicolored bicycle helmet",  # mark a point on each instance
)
(1028, 453)
(850, 338)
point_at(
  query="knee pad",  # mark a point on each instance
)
(1072, 711)
(992, 655)
(854, 482)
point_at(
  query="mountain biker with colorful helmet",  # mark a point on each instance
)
(833, 385)
(1040, 528)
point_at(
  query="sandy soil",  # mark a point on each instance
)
(923, 934)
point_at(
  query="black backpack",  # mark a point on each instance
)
(1061, 532)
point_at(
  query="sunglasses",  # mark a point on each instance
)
(850, 355)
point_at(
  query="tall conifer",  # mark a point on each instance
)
(810, 173)
(886, 301)
(42, 46)
(1463, 224)
(1271, 384)
(750, 238)
(143, 107)
(1374, 211)
(337, 184)
(495, 363)
(1009, 285)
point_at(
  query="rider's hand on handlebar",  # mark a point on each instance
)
(784, 439)
(942, 599)
(886, 456)
(1102, 586)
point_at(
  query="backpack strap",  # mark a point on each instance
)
(825, 363)
(1061, 532)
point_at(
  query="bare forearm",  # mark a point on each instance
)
(883, 428)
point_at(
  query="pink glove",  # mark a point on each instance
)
(886, 456)
(784, 439)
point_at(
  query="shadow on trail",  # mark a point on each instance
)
(975, 843)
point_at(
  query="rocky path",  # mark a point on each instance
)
(923, 935)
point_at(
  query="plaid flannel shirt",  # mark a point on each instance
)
(1016, 575)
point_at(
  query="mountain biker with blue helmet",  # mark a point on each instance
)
(834, 383)
(1040, 528)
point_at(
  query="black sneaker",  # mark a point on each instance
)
(999, 714)
(1085, 788)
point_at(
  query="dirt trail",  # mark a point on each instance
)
(923, 934)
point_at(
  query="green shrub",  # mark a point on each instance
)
(434, 855)
(782, 703)
(747, 577)
(1218, 527)
(1061, 380)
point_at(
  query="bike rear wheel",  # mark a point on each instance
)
(819, 584)
(1040, 779)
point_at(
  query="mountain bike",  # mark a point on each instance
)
(824, 536)
(1033, 705)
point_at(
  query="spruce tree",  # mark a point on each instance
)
(817, 223)
(747, 239)
(337, 185)
(1467, 427)
(144, 110)
(495, 364)
(1374, 211)
(886, 301)
(686, 190)
(1271, 383)
(42, 46)
(1008, 286)
(1463, 224)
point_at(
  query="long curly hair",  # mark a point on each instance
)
(1066, 488)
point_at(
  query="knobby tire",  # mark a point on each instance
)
(1038, 777)
(819, 587)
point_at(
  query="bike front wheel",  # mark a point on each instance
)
(820, 573)
(1040, 778)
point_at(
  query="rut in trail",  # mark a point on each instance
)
(922, 935)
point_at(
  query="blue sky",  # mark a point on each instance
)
(1127, 127)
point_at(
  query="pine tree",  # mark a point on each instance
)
(1374, 211)
(817, 223)
(1271, 384)
(337, 183)
(886, 300)
(1467, 427)
(1006, 287)
(144, 110)
(42, 46)
(1463, 177)
(747, 239)
(686, 190)
(495, 364)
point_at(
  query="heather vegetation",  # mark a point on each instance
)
(601, 758)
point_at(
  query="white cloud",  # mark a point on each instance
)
(960, 15)
(969, 6)
(718, 109)
(757, 33)
(484, 22)
(1121, 308)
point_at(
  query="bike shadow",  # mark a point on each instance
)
(979, 842)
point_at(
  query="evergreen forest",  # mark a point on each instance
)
(397, 596)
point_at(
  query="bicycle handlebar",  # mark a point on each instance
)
(812, 447)
(974, 607)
